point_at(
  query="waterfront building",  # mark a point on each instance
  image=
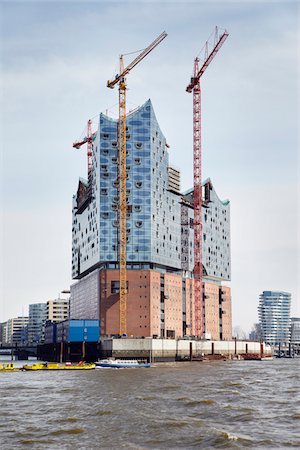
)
(3, 327)
(58, 309)
(159, 239)
(274, 316)
(295, 331)
(16, 330)
(36, 322)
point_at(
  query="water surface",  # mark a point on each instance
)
(234, 405)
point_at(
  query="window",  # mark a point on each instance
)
(115, 287)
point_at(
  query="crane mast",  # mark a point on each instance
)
(194, 86)
(121, 80)
(89, 141)
(122, 201)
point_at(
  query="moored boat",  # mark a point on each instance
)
(57, 366)
(121, 363)
(9, 367)
(256, 357)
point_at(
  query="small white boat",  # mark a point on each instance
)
(121, 363)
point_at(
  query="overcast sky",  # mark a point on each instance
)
(55, 60)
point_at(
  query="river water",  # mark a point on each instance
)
(231, 404)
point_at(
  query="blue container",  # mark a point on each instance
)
(78, 331)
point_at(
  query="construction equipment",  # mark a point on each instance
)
(121, 80)
(89, 141)
(194, 86)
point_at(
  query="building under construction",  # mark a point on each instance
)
(160, 239)
(150, 260)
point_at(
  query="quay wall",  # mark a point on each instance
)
(171, 349)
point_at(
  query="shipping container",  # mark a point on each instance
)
(78, 331)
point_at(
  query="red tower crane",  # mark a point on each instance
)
(194, 86)
(89, 141)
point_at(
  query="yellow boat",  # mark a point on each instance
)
(34, 366)
(9, 367)
(56, 366)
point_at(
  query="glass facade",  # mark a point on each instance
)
(274, 316)
(153, 211)
(216, 250)
(36, 322)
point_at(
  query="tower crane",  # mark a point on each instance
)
(121, 81)
(194, 86)
(89, 141)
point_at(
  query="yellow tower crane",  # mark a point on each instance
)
(121, 80)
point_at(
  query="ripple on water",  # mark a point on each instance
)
(67, 431)
(146, 398)
(34, 442)
(67, 420)
(225, 439)
(233, 383)
(168, 388)
(103, 412)
(194, 402)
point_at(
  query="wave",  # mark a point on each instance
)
(67, 431)
(103, 412)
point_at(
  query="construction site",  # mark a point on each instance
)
(148, 260)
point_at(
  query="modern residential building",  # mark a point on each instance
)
(160, 254)
(274, 316)
(295, 331)
(16, 330)
(58, 309)
(36, 322)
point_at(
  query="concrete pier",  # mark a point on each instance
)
(179, 349)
